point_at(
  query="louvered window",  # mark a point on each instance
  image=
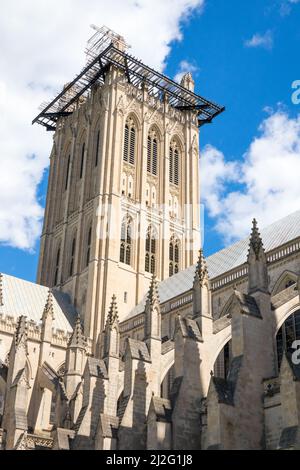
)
(174, 164)
(82, 162)
(72, 259)
(126, 241)
(174, 256)
(88, 249)
(67, 172)
(152, 153)
(57, 267)
(97, 148)
(150, 256)
(126, 143)
(129, 142)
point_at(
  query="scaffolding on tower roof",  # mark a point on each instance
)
(105, 49)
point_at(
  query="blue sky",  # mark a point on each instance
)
(245, 55)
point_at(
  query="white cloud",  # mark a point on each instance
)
(261, 40)
(42, 47)
(265, 184)
(184, 67)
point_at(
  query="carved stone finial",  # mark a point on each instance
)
(153, 295)
(187, 81)
(77, 340)
(21, 333)
(112, 317)
(201, 273)
(49, 308)
(256, 243)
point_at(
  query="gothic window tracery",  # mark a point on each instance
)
(97, 149)
(82, 161)
(126, 241)
(287, 334)
(72, 258)
(174, 255)
(129, 142)
(151, 250)
(56, 270)
(174, 156)
(152, 153)
(88, 248)
(67, 172)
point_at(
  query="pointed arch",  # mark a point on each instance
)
(285, 280)
(175, 152)
(88, 245)
(153, 146)
(287, 334)
(151, 250)
(126, 240)
(174, 255)
(97, 148)
(67, 171)
(130, 140)
(72, 254)
(82, 161)
(57, 263)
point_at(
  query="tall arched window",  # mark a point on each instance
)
(151, 250)
(288, 333)
(97, 148)
(56, 271)
(152, 153)
(82, 161)
(88, 247)
(174, 163)
(67, 172)
(129, 142)
(174, 256)
(126, 241)
(72, 258)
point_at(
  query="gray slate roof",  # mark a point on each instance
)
(273, 236)
(26, 298)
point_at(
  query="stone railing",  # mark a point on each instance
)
(38, 442)
(242, 271)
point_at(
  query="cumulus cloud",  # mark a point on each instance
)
(286, 6)
(264, 184)
(261, 40)
(42, 48)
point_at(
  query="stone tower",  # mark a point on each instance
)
(123, 195)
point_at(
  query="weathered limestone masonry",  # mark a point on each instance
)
(136, 341)
(118, 399)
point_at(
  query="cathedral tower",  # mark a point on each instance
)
(123, 199)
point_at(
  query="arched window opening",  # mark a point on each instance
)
(72, 259)
(149, 154)
(67, 173)
(150, 256)
(88, 249)
(174, 163)
(129, 142)
(97, 149)
(287, 334)
(152, 153)
(126, 241)
(174, 256)
(222, 364)
(56, 271)
(82, 161)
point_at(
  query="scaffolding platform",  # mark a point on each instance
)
(106, 49)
